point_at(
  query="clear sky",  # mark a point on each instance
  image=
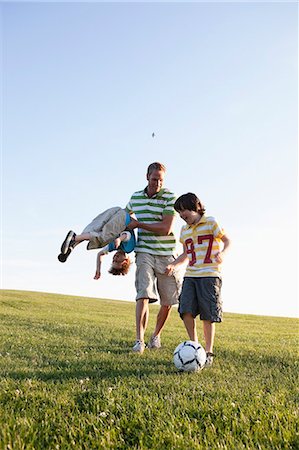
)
(84, 85)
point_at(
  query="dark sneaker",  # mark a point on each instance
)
(64, 256)
(69, 242)
(209, 360)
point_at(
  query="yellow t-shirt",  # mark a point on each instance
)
(203, 241)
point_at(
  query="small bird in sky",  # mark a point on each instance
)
(153, 135)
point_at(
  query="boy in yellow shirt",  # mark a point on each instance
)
(204, 243)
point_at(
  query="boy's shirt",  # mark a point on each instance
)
(202, 241)
(127, 247)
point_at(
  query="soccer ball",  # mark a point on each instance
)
(189, 356)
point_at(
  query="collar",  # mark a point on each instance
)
(159, 194)
(202, 220)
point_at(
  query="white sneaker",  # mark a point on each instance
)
(139, 346)
(154, 342)
(209, 360)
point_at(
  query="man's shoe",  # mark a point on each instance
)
(209, 360)
(154, 342)
(139, 347)
(63, 257)
(69, 242)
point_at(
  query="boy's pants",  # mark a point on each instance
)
(106, 227)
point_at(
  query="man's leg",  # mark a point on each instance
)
(145, 319)
(209, 334)
(162, 317)
(168, 289)
(142, 315)
(190, 325)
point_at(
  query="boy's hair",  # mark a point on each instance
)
(189, 201)
(155, 166)
(123, 270)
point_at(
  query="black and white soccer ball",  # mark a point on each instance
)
(189, 356)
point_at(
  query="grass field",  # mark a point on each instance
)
(70, 381)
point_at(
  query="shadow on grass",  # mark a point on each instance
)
(128, 365)
(137, 366)
(256, 359)
(109, 372)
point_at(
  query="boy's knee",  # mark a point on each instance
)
(187, 315)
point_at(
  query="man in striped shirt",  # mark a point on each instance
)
(153, 208)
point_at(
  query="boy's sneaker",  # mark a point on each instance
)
(69, 242)
(154, 342)
(139, 347)
(62, 257)
(209, 359)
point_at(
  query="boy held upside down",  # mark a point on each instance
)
(120, 261)
(107, 230)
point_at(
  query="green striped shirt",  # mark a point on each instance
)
(151, 210)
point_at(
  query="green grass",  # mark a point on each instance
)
(70, 381)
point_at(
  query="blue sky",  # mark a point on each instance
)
(84, 85)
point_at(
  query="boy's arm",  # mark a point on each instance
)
(183, 258)
(226, 242)
(124, 236)
(100, 256)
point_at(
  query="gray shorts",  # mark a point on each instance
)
(151, 280)
(202, 296)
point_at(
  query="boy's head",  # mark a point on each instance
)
(189, 207)
(120, 263)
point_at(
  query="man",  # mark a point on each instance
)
(154, 210)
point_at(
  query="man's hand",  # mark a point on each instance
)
(133, 224)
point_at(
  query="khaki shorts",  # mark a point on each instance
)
(151, 281)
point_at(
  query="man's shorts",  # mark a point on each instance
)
(202, 296)
(151, 281)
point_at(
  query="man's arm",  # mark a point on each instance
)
(164, 228)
